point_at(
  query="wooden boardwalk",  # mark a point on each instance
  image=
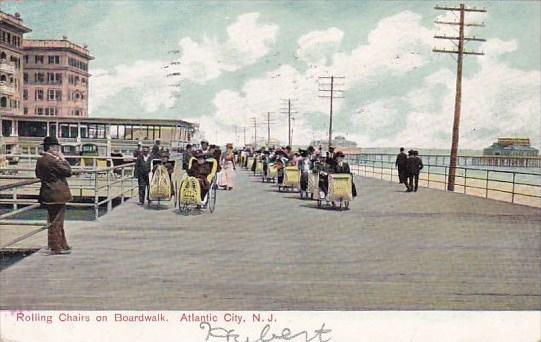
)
(271, 251)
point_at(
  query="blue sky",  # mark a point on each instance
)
(237, 59)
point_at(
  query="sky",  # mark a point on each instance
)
(239, 59)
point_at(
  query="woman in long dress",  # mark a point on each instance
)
(228, 168)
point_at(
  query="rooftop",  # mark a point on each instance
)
(109, 120)
(13, 20)
(57, 44)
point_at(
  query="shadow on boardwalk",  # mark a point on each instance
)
(259, 250)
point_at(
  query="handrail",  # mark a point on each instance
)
(386, 169)
(19, 184)
(97, 187)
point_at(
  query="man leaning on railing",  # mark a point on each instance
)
(52, 169)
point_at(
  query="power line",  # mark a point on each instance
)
(458, 95)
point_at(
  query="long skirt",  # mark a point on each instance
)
(228, 175)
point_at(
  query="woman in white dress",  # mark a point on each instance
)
(227, 179)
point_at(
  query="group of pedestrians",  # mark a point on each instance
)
(309, 160)
(409, 167)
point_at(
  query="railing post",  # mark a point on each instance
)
(381, 169)
(109, 200)
(445, 179)
(465, 176)
(513, 191)
(122, 185)
(132, 180)
(428, 181)
(486, 186)
(15, 206)
(96, 190)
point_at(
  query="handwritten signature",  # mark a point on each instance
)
(229, 335)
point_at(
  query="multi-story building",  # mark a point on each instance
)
(55, 78)
(11, 65)
(44, 91)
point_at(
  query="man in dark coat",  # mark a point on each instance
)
(200, 170)
(415, 165)
(341, 166)
(401, 163)
(52, 169)
(142, 169)
(186, 155)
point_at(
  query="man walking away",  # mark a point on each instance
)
(52, 169)
(142, 169)
(415, 165)
(401, 163)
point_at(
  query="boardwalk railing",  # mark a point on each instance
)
(510, 186)
(101, 184)
(471, 161)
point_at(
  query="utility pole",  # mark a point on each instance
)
(460, 52)
(287, 109)
(268, 121)
(254, 123)
(332, 91)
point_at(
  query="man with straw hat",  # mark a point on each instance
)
(53, 169)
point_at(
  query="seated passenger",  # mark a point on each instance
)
(341, 166)
(200, 170)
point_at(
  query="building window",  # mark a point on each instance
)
(53, 59)
(25, 94)
(39, 77)
(51, 111)
(54, 95)
(6, 127)
(3, 102)
(25, 78)
(32, 129)
(26, 58)
(38, 59)
(39, 111)
(25, 110)
(39, 95)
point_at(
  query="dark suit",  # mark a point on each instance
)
(201, 171)
(402, 165)
(142, 169)
(415, 165)
(54, 194)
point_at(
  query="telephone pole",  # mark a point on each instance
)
(268, 121)
(287, 105)
(460, 52)
(329, 88)
(255, 125)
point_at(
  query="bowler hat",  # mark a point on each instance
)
(50, 141)
(339, 154)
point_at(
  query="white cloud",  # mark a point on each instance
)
(398, 44)
(143, 77)
(247, 41)
(497, 101)
(314, 46)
